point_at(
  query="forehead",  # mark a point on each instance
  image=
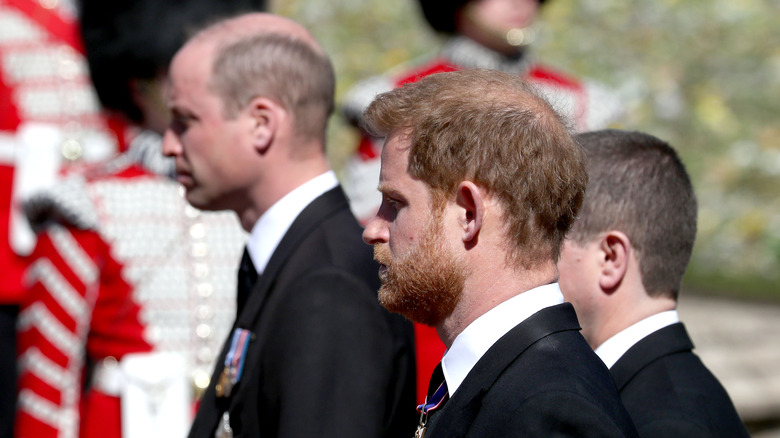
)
(395, 158)
(190, 71)
(394, 177)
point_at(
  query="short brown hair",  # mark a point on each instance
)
(493, 129)
(639, 186)
(282, 68)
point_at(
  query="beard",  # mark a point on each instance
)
(424, 285)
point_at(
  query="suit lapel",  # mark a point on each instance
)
(329, 203)
(668, 340)
(463, 407)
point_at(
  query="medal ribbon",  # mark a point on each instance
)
(436, 400)
(234, 360)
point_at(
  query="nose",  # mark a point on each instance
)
(171, 146)
(375, 231)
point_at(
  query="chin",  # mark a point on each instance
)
(197, 201)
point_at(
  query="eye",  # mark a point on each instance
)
(389, 207)
(180, 122)
(393, 203)
(179, 125)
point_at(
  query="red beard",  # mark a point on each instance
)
(425, 284)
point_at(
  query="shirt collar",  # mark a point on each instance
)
(274, 223)
(480, 335)
(615, 347)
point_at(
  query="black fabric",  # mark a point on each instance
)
(669, 392)
(247, 277)
(539, 380)
(442, 14)
(325, 359)
(437, 379)
(8, 386)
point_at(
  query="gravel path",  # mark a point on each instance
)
(740, 343)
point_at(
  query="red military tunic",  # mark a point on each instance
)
(124, 266)
(43, 82)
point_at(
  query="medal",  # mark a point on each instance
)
(234, 363)
(437, 400)
(420, 432)
(224, 387)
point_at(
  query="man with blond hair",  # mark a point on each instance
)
(480, 181)
(312, 354)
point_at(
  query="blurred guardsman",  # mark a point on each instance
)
(49, 119)
(480, 181)
(621, 267)
(131, 290)
(489, 34)
(311, 353)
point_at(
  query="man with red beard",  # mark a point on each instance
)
(480, 181)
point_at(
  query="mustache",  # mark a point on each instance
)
(382, 254)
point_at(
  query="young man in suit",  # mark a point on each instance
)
(480, 181)
(621, 268)
(312, 353)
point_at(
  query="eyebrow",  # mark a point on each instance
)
(386, 190)
(181, 112)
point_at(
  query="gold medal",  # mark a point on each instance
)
(224, 386)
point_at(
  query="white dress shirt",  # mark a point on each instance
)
(480, 335)
(615, 347)
(274, 223)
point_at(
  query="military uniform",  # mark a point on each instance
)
(49, 118)
(130, 287)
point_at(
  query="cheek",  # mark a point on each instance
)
(402, 236)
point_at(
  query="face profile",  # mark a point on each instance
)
(422, 278)
(426, 283)
(212, 150)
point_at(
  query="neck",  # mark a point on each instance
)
(280, 179)
(622, 314)
(490, 286)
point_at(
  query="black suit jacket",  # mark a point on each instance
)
(669, 392)
(326, 359)
(539, 380)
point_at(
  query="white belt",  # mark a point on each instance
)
(107, 377)
(155, 392)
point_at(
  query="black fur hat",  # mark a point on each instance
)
(441, 13)
(136, 39)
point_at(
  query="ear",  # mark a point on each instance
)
(472, 210)
(265, 117)
(614, 248)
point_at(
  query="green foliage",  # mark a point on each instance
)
(703, 75)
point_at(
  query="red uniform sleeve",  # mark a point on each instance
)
(78, 306)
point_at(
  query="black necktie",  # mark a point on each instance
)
(247, 277)
(437, 377)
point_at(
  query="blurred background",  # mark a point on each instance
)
(703, 75)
